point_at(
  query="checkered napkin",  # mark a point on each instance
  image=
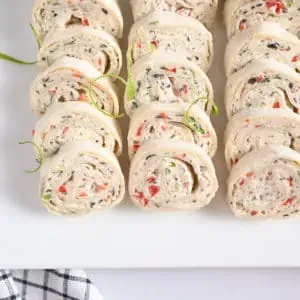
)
(47, 285)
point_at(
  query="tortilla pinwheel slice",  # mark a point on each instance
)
(266, 184)
(172, 175)
(50, 15)
(252, 129)
(91, 45)
(264, 83)
(242, 14)
(202, 10)
(83, 177)
(265, 40)
(70, 79)
(176, 122)
(69, 122)
(162, 78)
(172, 34)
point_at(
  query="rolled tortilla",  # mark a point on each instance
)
(171, 33)
(172, 175)
(164, 78)
(264, 83)
(242, 14)
(69, 122)
(70, 79)
(166, 121)
(94, 46)
(50, 15)
(266, 183)
(83, 177)
(262, 41)
(202, 10)
(252, 129)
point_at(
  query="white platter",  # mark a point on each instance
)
(124, 237)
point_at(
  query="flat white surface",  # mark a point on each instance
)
(125, 236)
(206, 284)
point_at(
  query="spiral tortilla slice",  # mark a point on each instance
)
(66, 123)
(83, 177)
(168, 121)
(164, 78)
(202, 10)
(92, 45)
(264, 83)
(252, 129)
(70, 79)
(171, 33)
(265, 40)
(242, 14)
(50, 15)
(266, 183)
(172, 175)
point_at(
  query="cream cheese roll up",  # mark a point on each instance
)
(172, 175)
(252, 129)
(176, 122)
(202, 10)
(242, 14)
(171, 33)
(71, 79)
(264, 83)
(266, 183)
(83, 177)
(92, 45)
(50, 15)
(164, 78)
(69, 122)
(265, 40)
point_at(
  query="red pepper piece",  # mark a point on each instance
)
(171, 70)
(155, 43)
(140, 130)
(65, 130)
(164, 127)
(100, 62)
(146, 202)
(83, 195)
(257, 126)
(295, 58)
(101, 187)
(83, 97)
(243, 25)
(163, 115)
(139, 44)
(138, 195)
(279, 6)
(184, 11)
(85, 22)
(254, 213)
(291, 181)
(260, 78)
(33, 132)
(63, 189)
(153, 190)
(250, 174)
(276, 104)
(288, 201)
(242, 182)
(136, 147)
(151, 179)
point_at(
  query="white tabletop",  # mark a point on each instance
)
(206, 284)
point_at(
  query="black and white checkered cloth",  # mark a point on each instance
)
(47, 285)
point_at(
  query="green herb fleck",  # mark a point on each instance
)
(172, 165)
(47, 197)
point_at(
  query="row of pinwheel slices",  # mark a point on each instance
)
(171, 139)
(77, 138)
(262, 101)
